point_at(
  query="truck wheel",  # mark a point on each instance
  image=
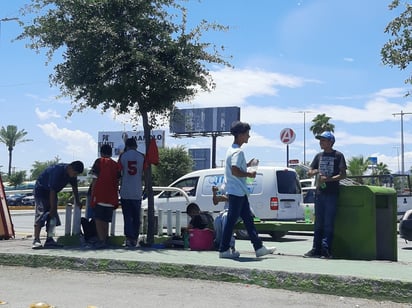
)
(276, 235)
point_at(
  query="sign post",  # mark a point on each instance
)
(287, 136)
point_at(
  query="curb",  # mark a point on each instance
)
(393, 290)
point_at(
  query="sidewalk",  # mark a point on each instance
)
(286, 269)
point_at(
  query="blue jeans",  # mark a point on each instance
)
(239, 207)
(325, 213)
(131, 217)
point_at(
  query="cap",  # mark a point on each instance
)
(327, 135)
(130, 142)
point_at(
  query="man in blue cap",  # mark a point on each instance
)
(329, 167)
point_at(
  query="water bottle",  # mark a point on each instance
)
(52, 227)
(308, 214)
(186, 240)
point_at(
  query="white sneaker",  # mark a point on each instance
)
(229, 254)
(263, 251)
(37, 244)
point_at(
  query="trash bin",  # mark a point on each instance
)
(366, 226)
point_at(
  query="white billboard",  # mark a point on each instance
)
(116, 140)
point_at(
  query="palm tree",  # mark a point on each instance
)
(357, 167)
(321, 124)
(381, 169)
(10, 137)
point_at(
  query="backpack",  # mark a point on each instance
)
(88, 228)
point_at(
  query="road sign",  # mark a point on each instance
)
(287, 135)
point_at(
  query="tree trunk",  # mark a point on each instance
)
(10, 156)
(148, 185)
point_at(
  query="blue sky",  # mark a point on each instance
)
(318, 56)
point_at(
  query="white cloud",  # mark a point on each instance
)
(233, 87)
(46, 115)
(391, 92)
(76, 144)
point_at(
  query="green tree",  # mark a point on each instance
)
(381, 169)
(397, 51)
(39, 167)
(17, 178)
(134, 57)
(173, 163)
(357, 166)
(10, 136)
(321, 124)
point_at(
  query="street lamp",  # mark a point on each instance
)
(304, 132)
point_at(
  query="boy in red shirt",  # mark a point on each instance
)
(105, 192)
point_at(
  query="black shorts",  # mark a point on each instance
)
(104, 213)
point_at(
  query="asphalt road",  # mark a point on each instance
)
(22, 286)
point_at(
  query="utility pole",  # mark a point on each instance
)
(304, 132)
(402, 143)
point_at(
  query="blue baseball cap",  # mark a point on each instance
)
(327, 135)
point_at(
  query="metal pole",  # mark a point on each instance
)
(304, 132)
(402, 142)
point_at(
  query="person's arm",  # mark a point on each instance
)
(242, 174)
(218, 198)
(53, 203)
(313, 172)
(341, 175)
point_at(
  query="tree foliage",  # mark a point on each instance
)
(17, 178)
(397, 51)
(173, 163)
(357, 167)
(39, 167)
(321, 124)
(11, 136)
(135, 57)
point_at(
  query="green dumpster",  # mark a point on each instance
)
(366, 225)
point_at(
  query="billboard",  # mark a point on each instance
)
(201, 158)
(203, 120)
(117, 139)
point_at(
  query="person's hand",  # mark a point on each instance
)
(253, 162)
(251, 174)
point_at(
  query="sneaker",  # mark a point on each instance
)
(51, 243)
(100, 245)
(326, 254)
(312, 254)
(263, 251)
(36, 244)
(229, 254)
(130, 243)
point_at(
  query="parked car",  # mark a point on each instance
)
(15, 199)
(28, 200)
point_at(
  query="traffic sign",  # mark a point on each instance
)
(287, 135)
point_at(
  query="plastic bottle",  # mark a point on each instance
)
(52, 227)
(186, 240)
(308, 214)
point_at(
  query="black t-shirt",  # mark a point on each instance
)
(329, 164)
(202, 221)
